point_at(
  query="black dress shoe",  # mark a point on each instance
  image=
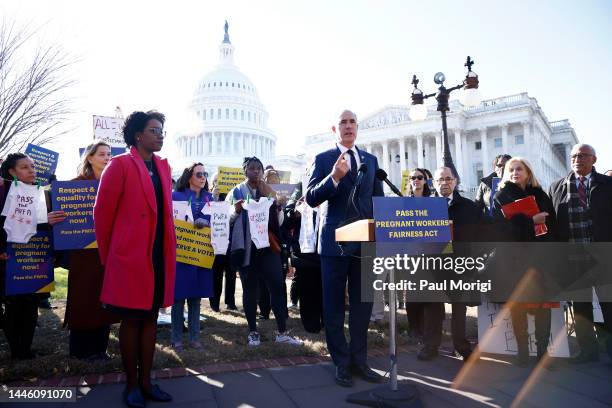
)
(156, 394)
(343, 377)
(367, 374)
(232, 307)
(583, 358)
(134, 398)
(427, 354)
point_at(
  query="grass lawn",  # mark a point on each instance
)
(223, 335)
(61, 284)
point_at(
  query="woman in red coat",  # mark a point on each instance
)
(137, 245)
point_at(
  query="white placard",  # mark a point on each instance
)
(308, 229)
(109, 130)
(258, 215)
(219, 212)
(181, 210)
(24, 208)
(495, 333)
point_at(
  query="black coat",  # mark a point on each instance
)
(483, 195)
(600, 211)
(530, 261)
(466, 217)
(467, 226)
(521, 228)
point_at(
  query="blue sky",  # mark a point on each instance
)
(311, 59)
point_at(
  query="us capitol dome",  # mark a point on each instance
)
(231, 122)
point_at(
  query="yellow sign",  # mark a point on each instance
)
(405, 181)
(193, 245)
(228, 178)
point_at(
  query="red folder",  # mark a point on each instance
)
(526, 206)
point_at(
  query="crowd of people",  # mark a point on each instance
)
(134, 272)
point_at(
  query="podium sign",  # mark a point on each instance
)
(420, 222)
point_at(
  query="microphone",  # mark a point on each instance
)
(354, 193)
(360, 173)
(382, 176)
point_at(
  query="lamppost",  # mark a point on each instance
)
(470, 97)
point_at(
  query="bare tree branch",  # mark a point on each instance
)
(34, 101)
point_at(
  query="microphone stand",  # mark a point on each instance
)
(393, 395)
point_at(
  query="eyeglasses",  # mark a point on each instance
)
(445, 180)
(500, 164)
(580, 156)
(416, 177)
(158, 131)
(201, 174)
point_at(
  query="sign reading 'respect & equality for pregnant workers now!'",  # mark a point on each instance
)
(76, 199)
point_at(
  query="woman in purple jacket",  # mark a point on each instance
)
(192, 282)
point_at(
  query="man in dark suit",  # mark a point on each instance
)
(583, 203)
(333, 175)
(466, 217)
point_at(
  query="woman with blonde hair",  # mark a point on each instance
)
(519, 182)
(88, 321)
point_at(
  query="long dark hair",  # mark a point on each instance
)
(85, 169)
(426, 190)
(183, 182)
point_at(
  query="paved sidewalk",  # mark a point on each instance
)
(488, 382)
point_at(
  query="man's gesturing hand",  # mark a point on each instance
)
(341, 167)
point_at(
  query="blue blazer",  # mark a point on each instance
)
(333, 200)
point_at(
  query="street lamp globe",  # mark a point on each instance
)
(417, 112)
(470, 96)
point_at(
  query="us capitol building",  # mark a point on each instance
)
(233, 121)
(514, 124)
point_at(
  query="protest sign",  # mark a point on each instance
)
(109, 130)
(420, 221)
(45, 162)
(76, 199)
(219, 212)
(29, 268)
(308, 228)
(228, 178)
(405, 181)
(182, 211)
(259, 214)
(495, 333)
(284, 176)
(24, 208)
(283, 191)
(494, 183)
(193, 245)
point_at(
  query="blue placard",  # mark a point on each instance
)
(45, 162)
(29, 268)
(494, 183)
(76, 199)
(411, 225)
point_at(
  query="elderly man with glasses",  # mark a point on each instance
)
(583, 202)
(466, 218)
